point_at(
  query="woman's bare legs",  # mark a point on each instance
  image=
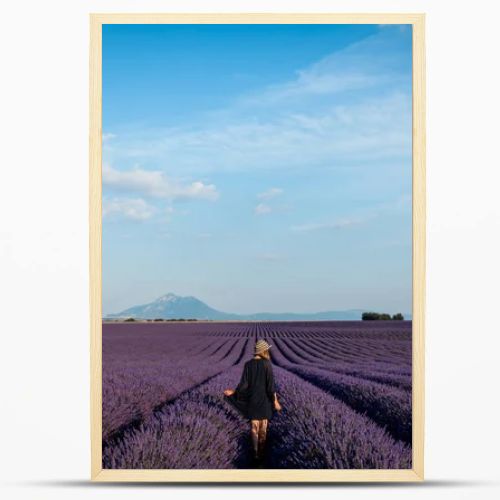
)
(254, 431)
(258, 433)
(262, 437)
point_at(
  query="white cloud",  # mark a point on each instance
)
(270, 193)
(108, 136)
(154, 183)
(375, 211)
(301, 123)
(359, 66)
(130, 208)
(262, 209)
(318, 80)
(336, 224)
(362, 132)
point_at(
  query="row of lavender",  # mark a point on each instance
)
(347, 396)
(200, 431)
(370, 373)
(145, 367)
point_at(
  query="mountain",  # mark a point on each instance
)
(171, 306)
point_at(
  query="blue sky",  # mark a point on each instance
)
(257, 167)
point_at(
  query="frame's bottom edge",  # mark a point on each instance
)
(248, 476)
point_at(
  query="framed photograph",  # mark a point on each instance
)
(257, 247)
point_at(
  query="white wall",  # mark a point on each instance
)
(44, 247)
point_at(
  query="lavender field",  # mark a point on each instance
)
(345, 388)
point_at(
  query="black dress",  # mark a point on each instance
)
(254, 395)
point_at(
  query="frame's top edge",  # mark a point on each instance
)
(251, 17)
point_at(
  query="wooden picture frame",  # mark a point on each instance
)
(95, 249)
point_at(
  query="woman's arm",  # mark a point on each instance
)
(242, 386)
(271, 388)
(276, 403)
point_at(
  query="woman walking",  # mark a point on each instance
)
(255, 396)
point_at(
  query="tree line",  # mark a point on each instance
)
(370, 316)
(162, 319)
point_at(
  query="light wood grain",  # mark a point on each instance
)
(258, 475)
(95, 252)
(256, 18)
(418, 216)
(95, 242)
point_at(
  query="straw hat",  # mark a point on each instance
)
(261, 346)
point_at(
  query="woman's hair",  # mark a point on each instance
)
(264, 354)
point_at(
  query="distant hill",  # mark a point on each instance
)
(171, 306)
